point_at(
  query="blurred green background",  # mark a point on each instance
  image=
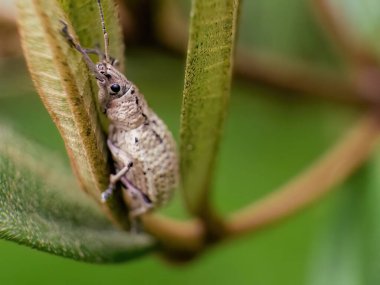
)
(270, 136)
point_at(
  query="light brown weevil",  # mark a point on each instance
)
(143, 149)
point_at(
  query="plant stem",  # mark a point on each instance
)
(338, 163)
(311, 185)
(296, 76)
(175, 235)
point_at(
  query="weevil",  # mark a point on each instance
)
(143, 149)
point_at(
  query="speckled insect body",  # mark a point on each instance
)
(140, 144)
(143, 149)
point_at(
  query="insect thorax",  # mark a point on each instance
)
(128, 111)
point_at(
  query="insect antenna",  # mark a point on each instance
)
(105, 34)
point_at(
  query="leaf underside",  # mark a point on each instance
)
(65, 86)
(42, 208)
(39, 207)
(206, 92)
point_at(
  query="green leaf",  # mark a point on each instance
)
(205, 95)
(65, 86)
(42, 208)
(348, 252)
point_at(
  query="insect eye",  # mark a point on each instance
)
(115, 87)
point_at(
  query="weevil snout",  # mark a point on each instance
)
(112, 83)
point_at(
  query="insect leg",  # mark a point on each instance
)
(141, 202)
(96, 50)
(121, 158)
(115, 178)
(118, 155)
(77, 46)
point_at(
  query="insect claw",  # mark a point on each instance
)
(66, 34)
(107, 194)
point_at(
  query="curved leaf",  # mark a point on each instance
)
(65, 85)
(40, 207)
(348, 251)
(205, 95)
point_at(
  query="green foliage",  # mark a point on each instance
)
(67, 90)
(363, 20)
(42, 208)
(205, 96)
(268, 140)
(348, 250)
(252, 163)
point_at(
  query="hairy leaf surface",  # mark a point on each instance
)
(41, 207)
(65, 85)
(206, 92)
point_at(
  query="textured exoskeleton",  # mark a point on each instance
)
(143, 149)
(140, 143)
